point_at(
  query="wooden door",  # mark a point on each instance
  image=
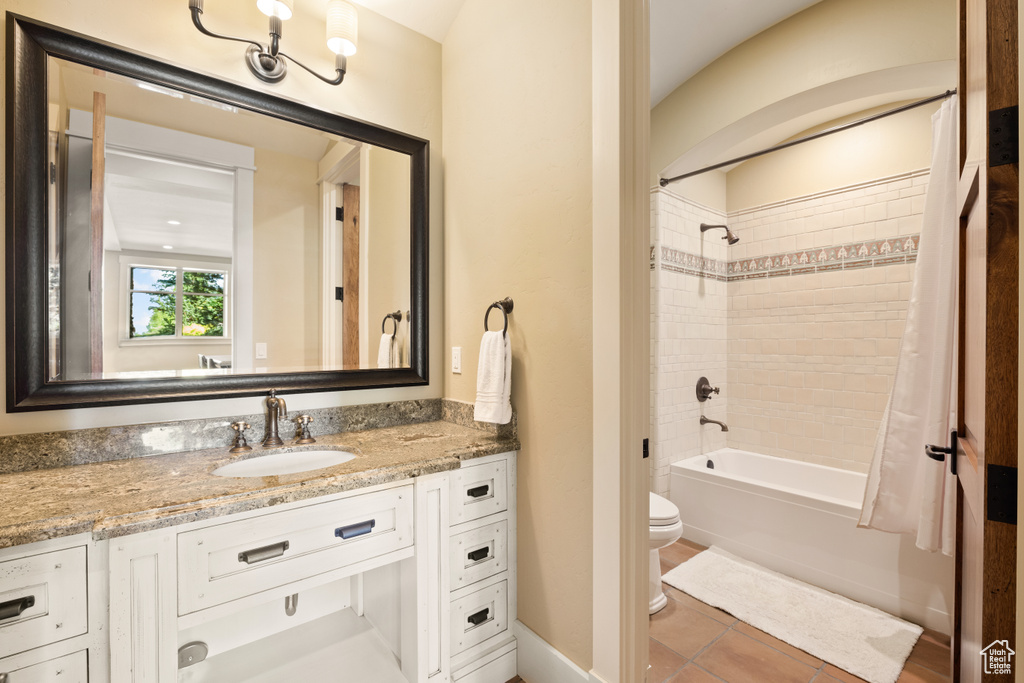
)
(986, 449)
(350, 276)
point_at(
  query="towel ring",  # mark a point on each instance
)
(506, 307)
(396, 316)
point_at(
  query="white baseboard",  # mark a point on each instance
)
(541, 663)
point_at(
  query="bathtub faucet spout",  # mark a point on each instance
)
(705, 420)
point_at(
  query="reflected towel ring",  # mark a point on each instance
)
(397, 317)
(506, 307)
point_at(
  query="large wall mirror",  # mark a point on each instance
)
(172, 236)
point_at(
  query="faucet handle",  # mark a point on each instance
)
(302, 434)
(704, 389)
(239, 445)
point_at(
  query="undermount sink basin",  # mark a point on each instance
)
(291, 462)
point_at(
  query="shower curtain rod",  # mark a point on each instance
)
(837, 129)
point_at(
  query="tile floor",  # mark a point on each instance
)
(692, 642)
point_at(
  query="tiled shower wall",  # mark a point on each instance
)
(815, 300)
(688, 331)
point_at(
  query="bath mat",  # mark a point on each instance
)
(854, 637)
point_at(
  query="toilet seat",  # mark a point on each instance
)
(663, 512)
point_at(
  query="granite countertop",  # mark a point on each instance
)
(111, 499)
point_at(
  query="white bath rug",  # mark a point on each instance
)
(862, 640)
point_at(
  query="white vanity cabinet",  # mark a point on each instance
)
(50, 629)
(406, 582)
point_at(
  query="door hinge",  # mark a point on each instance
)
(1003, 142)
(339, 293)
(339, 214)
(53, 173)
(1001, 493)
(647, 448)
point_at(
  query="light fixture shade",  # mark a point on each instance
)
(342, 27)
(276, 8)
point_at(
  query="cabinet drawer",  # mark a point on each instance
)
(42, 600)
(73, 668)
(478, 491)
(479, 616)
(478, 554)
(229, 561)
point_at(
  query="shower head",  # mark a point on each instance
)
(731, 238)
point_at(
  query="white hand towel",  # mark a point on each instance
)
(494, 380)
(386, 352)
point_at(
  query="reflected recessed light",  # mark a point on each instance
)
(167, 246)
(173, 222)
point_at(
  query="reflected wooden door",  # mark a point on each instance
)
(986, 449)
(350, 276)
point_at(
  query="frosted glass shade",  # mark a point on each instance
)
(342, 27)
(276, 8)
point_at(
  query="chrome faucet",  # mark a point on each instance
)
(276, 409)
(707, 420)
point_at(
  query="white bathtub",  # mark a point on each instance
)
(800, 519)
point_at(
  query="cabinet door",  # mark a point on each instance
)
(143, 614)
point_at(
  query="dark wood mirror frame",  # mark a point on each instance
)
(29, 43)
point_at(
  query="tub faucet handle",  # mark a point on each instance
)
(704, 389)
(239, 445)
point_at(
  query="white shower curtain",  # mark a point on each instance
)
(908, 492)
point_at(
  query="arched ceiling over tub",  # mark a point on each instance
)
(831, 42)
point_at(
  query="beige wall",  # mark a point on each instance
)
(882, 148)
(394, 80)
(517, 132)
(385, 217)
(286, 260)
(828, 42)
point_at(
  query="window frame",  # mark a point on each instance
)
(180, 266)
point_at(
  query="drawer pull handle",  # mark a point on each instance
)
(480, 617)
(267, 552)
(478, 554)
(3, 678)
(353, 530)
(14, 608)
(478, 491)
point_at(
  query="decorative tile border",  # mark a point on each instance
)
(845, 256)
(691, 264)
(867, 254)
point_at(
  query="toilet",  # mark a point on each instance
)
(666, 528)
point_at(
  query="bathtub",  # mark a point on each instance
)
(800, 519)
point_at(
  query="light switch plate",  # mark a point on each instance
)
(261, 350)
(457, 360)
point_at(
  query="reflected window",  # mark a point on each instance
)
(175, 302)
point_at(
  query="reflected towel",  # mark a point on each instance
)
(494, 380)
(387, 354)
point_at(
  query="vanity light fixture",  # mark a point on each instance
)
(268, 63)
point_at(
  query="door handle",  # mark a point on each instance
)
(267, 552)
(14, 608)
(940, 452)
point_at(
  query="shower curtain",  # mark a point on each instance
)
(908, 492)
